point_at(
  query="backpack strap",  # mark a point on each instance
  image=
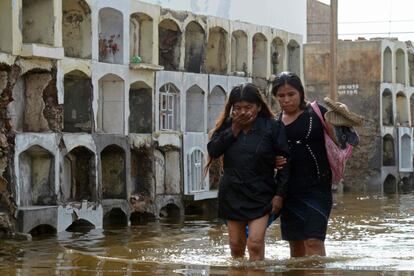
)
(317, 110)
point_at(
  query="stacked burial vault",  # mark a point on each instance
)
(114, 99)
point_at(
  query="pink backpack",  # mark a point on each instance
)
(336, 156)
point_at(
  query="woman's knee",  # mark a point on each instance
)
(314, 243)
(255, 244)
(315, 247)
(237, 247)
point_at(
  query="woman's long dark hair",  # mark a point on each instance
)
(293, 80)
(244, 92)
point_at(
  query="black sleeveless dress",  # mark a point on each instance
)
(248, 182)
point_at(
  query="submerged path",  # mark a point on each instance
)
(371, 234)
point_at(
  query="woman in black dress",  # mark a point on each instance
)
(248, 138)
(308, 201)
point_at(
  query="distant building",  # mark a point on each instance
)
(375, 79)
(318, 22)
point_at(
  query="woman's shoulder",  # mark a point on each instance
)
(321, 108)
(273, 122)
(226, 124)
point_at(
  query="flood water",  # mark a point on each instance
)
(368, 235)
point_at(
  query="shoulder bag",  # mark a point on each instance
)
(337, 157)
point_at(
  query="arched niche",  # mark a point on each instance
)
(387, 108)
(142, 172)
(194, 47)
(79, 175)
(171, 210)
(239, 51)
(27, 110)
(388, 151)
(113, 172)
(37, 19)
(277, 55)
(140, 108)
(77, 29)
(37, 177)
(400, 66)
(405, 151)
(80, 226)
(216, 102)
(195, 109)
(402, 110)
(138, 218)
(217, 51)
(169, 41)
(77, 108)
(43, 230)
(259, 55)
(169, 107)
(195, 171)
(115, 218)
(111, 36)
(141, 36)
(390, 185)
(111, 104)
(294, 57)
(387, 65)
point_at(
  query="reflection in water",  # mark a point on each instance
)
(370, 235)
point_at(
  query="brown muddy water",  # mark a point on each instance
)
(368, 235)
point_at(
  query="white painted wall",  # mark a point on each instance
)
(289, 15)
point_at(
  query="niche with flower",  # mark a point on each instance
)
(110, 36)
(108, 45)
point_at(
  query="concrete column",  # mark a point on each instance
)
(126, 100)
(182, 49)
(96, 100)
(268, 47)
(57, 24)
(126, 36)
(95, 35)
(229, 53)
(249, 54)
(17, 37)
(155, 39)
